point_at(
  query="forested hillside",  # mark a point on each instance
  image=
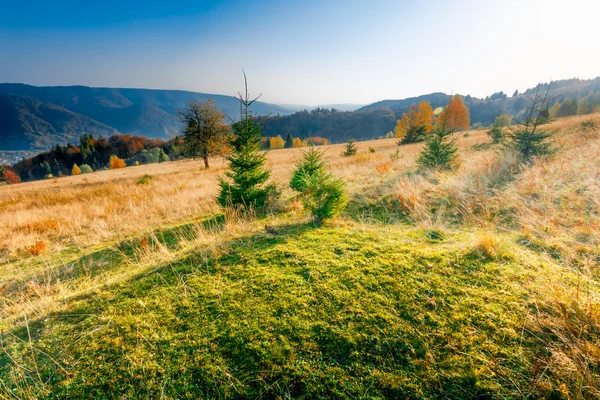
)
(574, 96)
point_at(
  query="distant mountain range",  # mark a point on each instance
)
(36, 118)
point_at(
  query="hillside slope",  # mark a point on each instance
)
(27, 123)
(147, 112)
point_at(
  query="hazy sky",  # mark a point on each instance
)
(301, 52)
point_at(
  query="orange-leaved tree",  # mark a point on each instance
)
(116, 162)
(415, 124)
(455, 115)
(76, 170)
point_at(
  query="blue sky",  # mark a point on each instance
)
(301, 52)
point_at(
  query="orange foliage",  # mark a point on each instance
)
(418, 116)
(384, 168)
(9, 175)
(299, 143)
(76, 170)
(456, 115)
(116, 162)
(38, 248)
(317, 141)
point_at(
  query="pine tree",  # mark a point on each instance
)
(350, 149)
(527, 138)
(440, 150)
(246, 186)
(289, 141)
(321, 193)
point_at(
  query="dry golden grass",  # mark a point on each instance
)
(107, 205)
(111, 205)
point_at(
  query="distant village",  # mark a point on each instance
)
(12, 157)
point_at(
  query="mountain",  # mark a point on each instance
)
(27, 123)
(147, 112)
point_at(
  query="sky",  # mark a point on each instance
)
(306, 52)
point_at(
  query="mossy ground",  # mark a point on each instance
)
(349, 310)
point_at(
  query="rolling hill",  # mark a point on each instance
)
(100, 111)
(27, 123)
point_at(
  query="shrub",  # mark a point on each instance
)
(76, 170)
(495, 133)
(395, 156)
(321, 193)
(85, 169)
(350, 149)
(115, 162)
(38, 248)
(589, 124)
(371, 150)
(144, 179)
(384, 168)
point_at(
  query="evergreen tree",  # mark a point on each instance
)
(321, 193)
(56, 168)
(289, 141)
(350, 149)
(440, 150)
(247, 175)
(527, 138)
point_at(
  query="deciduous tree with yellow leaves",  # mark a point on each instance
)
(414, 125)
(276, 143)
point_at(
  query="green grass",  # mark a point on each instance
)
(344, 311)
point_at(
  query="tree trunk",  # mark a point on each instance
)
(206, 162)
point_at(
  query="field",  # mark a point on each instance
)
(482, 282)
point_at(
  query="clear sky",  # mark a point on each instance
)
(301, 52)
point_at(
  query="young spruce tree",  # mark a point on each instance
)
(321, 193)
(440, 149)
(528, 139)
(350, 149)
(247, 175)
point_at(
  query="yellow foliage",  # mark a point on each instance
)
(116, 162)
(76, 170)
(418, 116)
(276, 143)
(299, 143)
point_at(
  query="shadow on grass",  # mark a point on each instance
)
(165, 273)
(111, 257)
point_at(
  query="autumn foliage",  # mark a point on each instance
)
(414, 125)
(455, 115)
(317, 141)
(116, 162)
(38, 248)
(76, 170)
(8, 175)
(276, 143)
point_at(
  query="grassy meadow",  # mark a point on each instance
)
(483, 282)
